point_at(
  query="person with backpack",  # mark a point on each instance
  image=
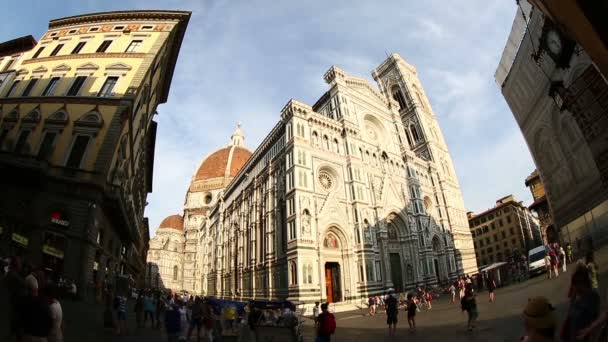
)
(392, 310)
(326, 325)
(173, 323)
(469, 305)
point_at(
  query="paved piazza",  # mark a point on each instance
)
(499, 321)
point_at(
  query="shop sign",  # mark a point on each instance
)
(20, 239)
(58, 219)
(50, 250)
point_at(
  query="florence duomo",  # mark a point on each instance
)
(347, 198)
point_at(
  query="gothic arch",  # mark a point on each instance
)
(397, 95)
(436, 243)
(395, 220)
(337, 232)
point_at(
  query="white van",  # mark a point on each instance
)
(536, 260)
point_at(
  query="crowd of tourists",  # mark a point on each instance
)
(583, 321)
(33, 307)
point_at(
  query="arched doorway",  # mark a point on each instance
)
(397, 251)
(551, 235)
(333, 280)
(436, 243)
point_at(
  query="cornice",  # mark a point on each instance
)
(119, 16)
(108, 55)
(104, 101)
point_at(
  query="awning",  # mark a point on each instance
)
(493, 266)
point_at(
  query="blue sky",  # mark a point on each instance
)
(243, 61)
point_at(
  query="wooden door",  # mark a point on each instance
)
(329, 288)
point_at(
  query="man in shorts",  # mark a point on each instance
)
(392, 310)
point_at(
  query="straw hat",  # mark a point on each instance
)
(539, 313)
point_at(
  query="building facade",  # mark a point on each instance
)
(77, 142)
(558, 98)
(213, 174)
(502, 233)
(345, 198)
(583, 21)
(541, 207)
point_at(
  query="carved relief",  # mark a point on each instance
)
(306, 222)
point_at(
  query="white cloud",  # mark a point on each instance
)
(242, 61)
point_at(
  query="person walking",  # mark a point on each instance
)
(452, 290)
(120, 305)
(196, 320)
(139, 309)
(411, 309)
(149, 308)
(569, 252)
(554, 260)
(592, 269)
(315, 311)
(548, 265)
(491, 288)
(372, 306)
(172, 323)
(326, 325)
(469, 305)
(183, 314)
(562, 258)
(584, 306)
(208, 319)
(56, 333)
(391, 306)
(539, 321)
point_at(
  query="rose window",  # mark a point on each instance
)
(326, 180)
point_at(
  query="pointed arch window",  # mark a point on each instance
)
(293, 273)
(175, 272)
(326, 142)
(415, 135)
(398, 96)
(315, 138)
(336, 146)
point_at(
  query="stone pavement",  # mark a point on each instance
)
(499, 321)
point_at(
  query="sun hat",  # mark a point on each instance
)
(539, 313)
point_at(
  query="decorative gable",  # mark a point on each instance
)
(62, 67)
(88, 66)
(118, 67)
(40, 70)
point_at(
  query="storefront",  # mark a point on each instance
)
(53, 254)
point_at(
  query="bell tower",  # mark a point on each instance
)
(399, 82)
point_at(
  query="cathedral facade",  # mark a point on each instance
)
(348, 197)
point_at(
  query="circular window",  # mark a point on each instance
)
(208, 198)
(326, 180)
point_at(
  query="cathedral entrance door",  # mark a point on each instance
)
(437, 269)
(396, 273)
(332, 282)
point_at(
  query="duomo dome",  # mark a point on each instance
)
(215, 172)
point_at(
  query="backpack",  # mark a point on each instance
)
(328, 324)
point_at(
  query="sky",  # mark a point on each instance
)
(242, 61)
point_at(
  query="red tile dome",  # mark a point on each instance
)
(174, 222)
(225, 162)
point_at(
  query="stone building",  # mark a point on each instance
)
(166, 254)
(11, 53)
(559, 100)
(505, 231)
(345, 198)
(212, 175)
(77, 142)
(541, 207)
